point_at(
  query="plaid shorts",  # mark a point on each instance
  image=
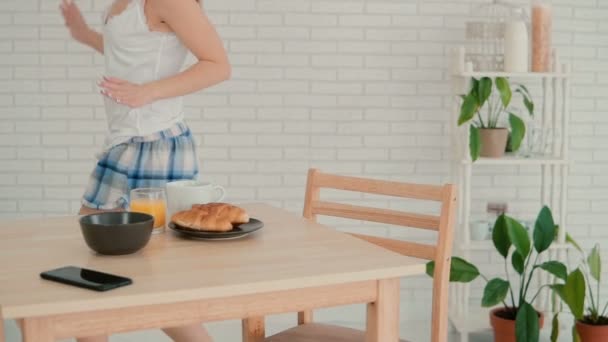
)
(142, 162)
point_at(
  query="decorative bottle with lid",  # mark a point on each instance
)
(542, 26)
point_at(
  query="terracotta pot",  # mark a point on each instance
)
(493, 142)
(504, 329)
(592, 333)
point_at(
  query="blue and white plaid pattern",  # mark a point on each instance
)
(142, 162)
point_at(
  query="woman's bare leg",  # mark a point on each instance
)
(189, 333)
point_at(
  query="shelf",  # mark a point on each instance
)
(528, 75)
(511, 159)
(488, 245)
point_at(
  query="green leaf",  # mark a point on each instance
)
(523, 90)
(500, 236)
(572, 293)
(518, 262)
(571, 241)
(555, 327)
(529, 105)
(525, 93)
(518, 131)
(484, 90)
(595, 263)
(468, 109)
(505, 90)
(461, 271)
(556, 268)
(518, 236)
(474, 143)
(544, 230)
(495, 292)
(526, 324)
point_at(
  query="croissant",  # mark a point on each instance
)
(216, 217)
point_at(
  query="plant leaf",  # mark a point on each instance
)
(518, 131)
(504, 88)
(468, 109)
(544, 230)
(571, 241)
(500, 236)
(556, 268)
(525, 93)
(518, 236)
(526, 324)
(595, 263)
(484, 90)
(529, 105)
(495, 292)
(474, 143)
(555, 327)
(461, 271)
(523, 90)
(518, 262)
(572, 293)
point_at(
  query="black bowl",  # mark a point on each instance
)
(117, 233)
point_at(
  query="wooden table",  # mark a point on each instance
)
(290, 265)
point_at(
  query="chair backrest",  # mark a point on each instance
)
(444, 224)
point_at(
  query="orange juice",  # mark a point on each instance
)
(154, 207)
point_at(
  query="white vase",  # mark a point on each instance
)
(517, 51)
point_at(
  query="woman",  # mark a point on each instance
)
(145, 43)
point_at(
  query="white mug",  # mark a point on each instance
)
(181, 195)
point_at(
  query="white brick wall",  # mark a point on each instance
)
(350, 86)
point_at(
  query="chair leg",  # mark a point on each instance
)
(254, 329)
(305, 317)
(383, 315)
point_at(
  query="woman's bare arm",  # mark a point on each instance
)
(78, 27)
(194, 29)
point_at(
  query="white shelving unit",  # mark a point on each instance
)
(468, 317)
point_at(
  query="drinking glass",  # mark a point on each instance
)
(152, 201)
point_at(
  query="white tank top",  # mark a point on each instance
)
(134, 53)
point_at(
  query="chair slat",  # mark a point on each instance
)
(411, 249)
(414, 191)
(387, 216)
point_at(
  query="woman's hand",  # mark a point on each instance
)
(75, 21)
(126, 93)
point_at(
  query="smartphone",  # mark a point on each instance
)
(85, 278)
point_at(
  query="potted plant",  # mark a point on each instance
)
(578, 292)
(487, 138)
(516, 319)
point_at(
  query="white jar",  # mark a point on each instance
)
(517, 47)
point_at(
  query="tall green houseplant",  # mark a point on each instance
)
(581, 292)
(483, 113)
(516, 320)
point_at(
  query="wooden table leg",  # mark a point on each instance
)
(383, 315)
(37, 330)
(254, 329)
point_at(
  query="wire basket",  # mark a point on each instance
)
(485, 34)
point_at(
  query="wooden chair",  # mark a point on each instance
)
(307, 331)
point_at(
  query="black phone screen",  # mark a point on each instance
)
(86, 278)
